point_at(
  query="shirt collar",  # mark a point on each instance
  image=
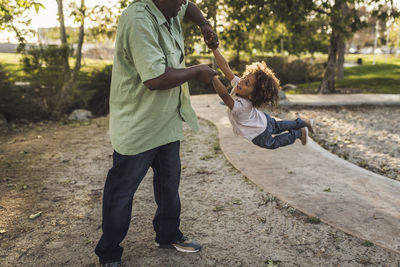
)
(156, 12)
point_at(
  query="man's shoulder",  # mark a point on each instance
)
(136, 9)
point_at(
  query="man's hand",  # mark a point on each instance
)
(210, 37)
(204, 73)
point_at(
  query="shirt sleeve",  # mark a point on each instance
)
(238, 107)
(182, 12)
(143, 46)
(235, 81)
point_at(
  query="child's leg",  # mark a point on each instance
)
(274, 142)
(266, 139)
(282, 126)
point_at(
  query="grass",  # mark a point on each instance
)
(11, 62)
(381, 78)
(367, 243)
(313, 220)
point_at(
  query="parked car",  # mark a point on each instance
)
(353, 50)
(366, 50)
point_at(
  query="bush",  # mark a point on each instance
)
(4, 78)
(19, 102)
(45, 69)
(295, 71)
(98, 85)
(287, 69)
(22, 103)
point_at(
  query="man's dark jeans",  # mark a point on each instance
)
(266, 139)
(122, 182)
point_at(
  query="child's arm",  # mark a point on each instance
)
(223, 64)
(223, 92)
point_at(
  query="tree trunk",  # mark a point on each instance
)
(73, 77)
(340, 63)
(337, 14)
(63, 33)
(342, 42)
(328, 81)
(77, 68)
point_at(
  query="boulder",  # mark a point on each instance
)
(80, 115)
(288, 86)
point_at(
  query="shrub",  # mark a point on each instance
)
(99, 87)
(19, 102)
(4, 78)
(45, 69)
(295, 71)
(22, 103)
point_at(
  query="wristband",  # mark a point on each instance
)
(204, 22)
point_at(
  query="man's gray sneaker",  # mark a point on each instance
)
(183, 245)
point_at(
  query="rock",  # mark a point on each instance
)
(35, 216)
(80, 115)
(288, 86)
(3, 121)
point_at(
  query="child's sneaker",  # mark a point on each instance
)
(304, 134)
(310, 125)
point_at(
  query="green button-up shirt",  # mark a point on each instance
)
(142, 119)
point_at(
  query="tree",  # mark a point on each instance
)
(241, 23)
(71, 75)
(305, 28)
(344, 19)
(13, 12)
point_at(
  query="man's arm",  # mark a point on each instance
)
(194, 14)
(223, 64)
(175, 77)
(223, 92)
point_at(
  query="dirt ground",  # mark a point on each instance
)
(59, 170)
(368, 136)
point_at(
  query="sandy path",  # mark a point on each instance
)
(368, 136)
(62, 172)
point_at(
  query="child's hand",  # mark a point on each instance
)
(210, 37)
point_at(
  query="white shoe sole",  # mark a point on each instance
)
(177, 248)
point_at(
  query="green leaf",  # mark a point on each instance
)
(37, 6)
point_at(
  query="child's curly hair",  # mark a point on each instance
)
(266, 87)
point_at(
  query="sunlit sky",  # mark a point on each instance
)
(47, 17)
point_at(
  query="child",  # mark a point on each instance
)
(257, 86)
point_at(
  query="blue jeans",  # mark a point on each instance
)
(266, 139)
(122, 182)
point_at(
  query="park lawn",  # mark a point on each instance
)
(381, 78)
(11, 62)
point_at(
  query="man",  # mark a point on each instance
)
(149, 99)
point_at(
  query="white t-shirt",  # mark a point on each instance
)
(246, 120)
